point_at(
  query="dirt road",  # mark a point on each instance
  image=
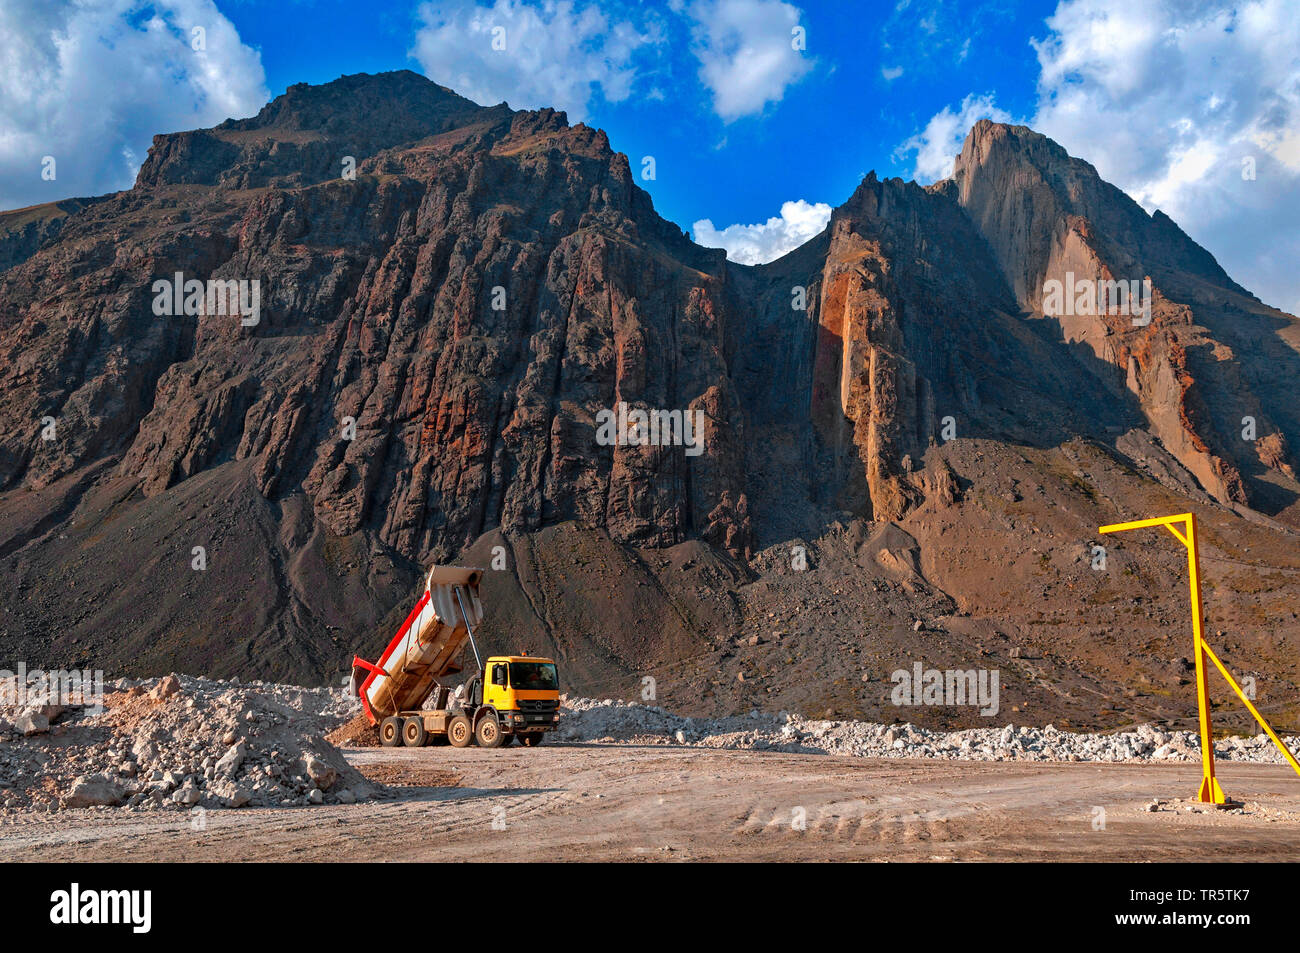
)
(595, 802)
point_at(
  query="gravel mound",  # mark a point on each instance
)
(357, 733)
(588, 720)
(180, 743)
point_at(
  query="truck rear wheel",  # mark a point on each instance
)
(459, 732)
(488, 732)
(532, 738)
(390, 732)
(413, 733)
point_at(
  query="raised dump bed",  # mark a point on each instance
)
(425, 647)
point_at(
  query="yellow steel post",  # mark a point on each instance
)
(1210, 792)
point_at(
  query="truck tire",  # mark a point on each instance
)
(459, 732)
(413, 733)
(488, 733)
(390, 732)
(532, 739)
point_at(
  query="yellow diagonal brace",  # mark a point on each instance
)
(1286, 753)
(1181, 538)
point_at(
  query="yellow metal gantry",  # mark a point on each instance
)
(1210, 792)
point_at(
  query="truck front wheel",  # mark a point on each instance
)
(390, 732)
(459, 732)
(489, 732)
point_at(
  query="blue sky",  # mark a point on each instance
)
(751, 130)
(840, 120)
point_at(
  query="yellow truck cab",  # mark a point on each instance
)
(523, 691)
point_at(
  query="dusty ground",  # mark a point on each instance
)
(596, 802)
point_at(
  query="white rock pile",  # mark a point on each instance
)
(178, 743)
(585, 720)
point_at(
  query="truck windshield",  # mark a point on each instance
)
(534, 676)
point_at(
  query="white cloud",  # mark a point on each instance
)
(747, 55)
(1167, 99)
(756, 244)
(891, 73)
(562, 53)
(555, 54)
(936, 146)
(91, 83)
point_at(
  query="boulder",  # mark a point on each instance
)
(47, 710)
(94, 790)
(229, 763)
(167, 686)
(320, 771)
(32, 723)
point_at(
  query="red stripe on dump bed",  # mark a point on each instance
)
(392, 646)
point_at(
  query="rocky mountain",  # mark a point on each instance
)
(1210, 357)
(415, 318)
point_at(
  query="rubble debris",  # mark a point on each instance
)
(179, 742)
(584, 720)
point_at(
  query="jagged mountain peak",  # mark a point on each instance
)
(1014, 161)
(311, 133)
(400, 97)
(987, 136)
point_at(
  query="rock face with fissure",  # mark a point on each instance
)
(1198, 363)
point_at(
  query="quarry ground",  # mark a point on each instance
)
(598, 802)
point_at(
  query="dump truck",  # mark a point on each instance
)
(511, 696)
